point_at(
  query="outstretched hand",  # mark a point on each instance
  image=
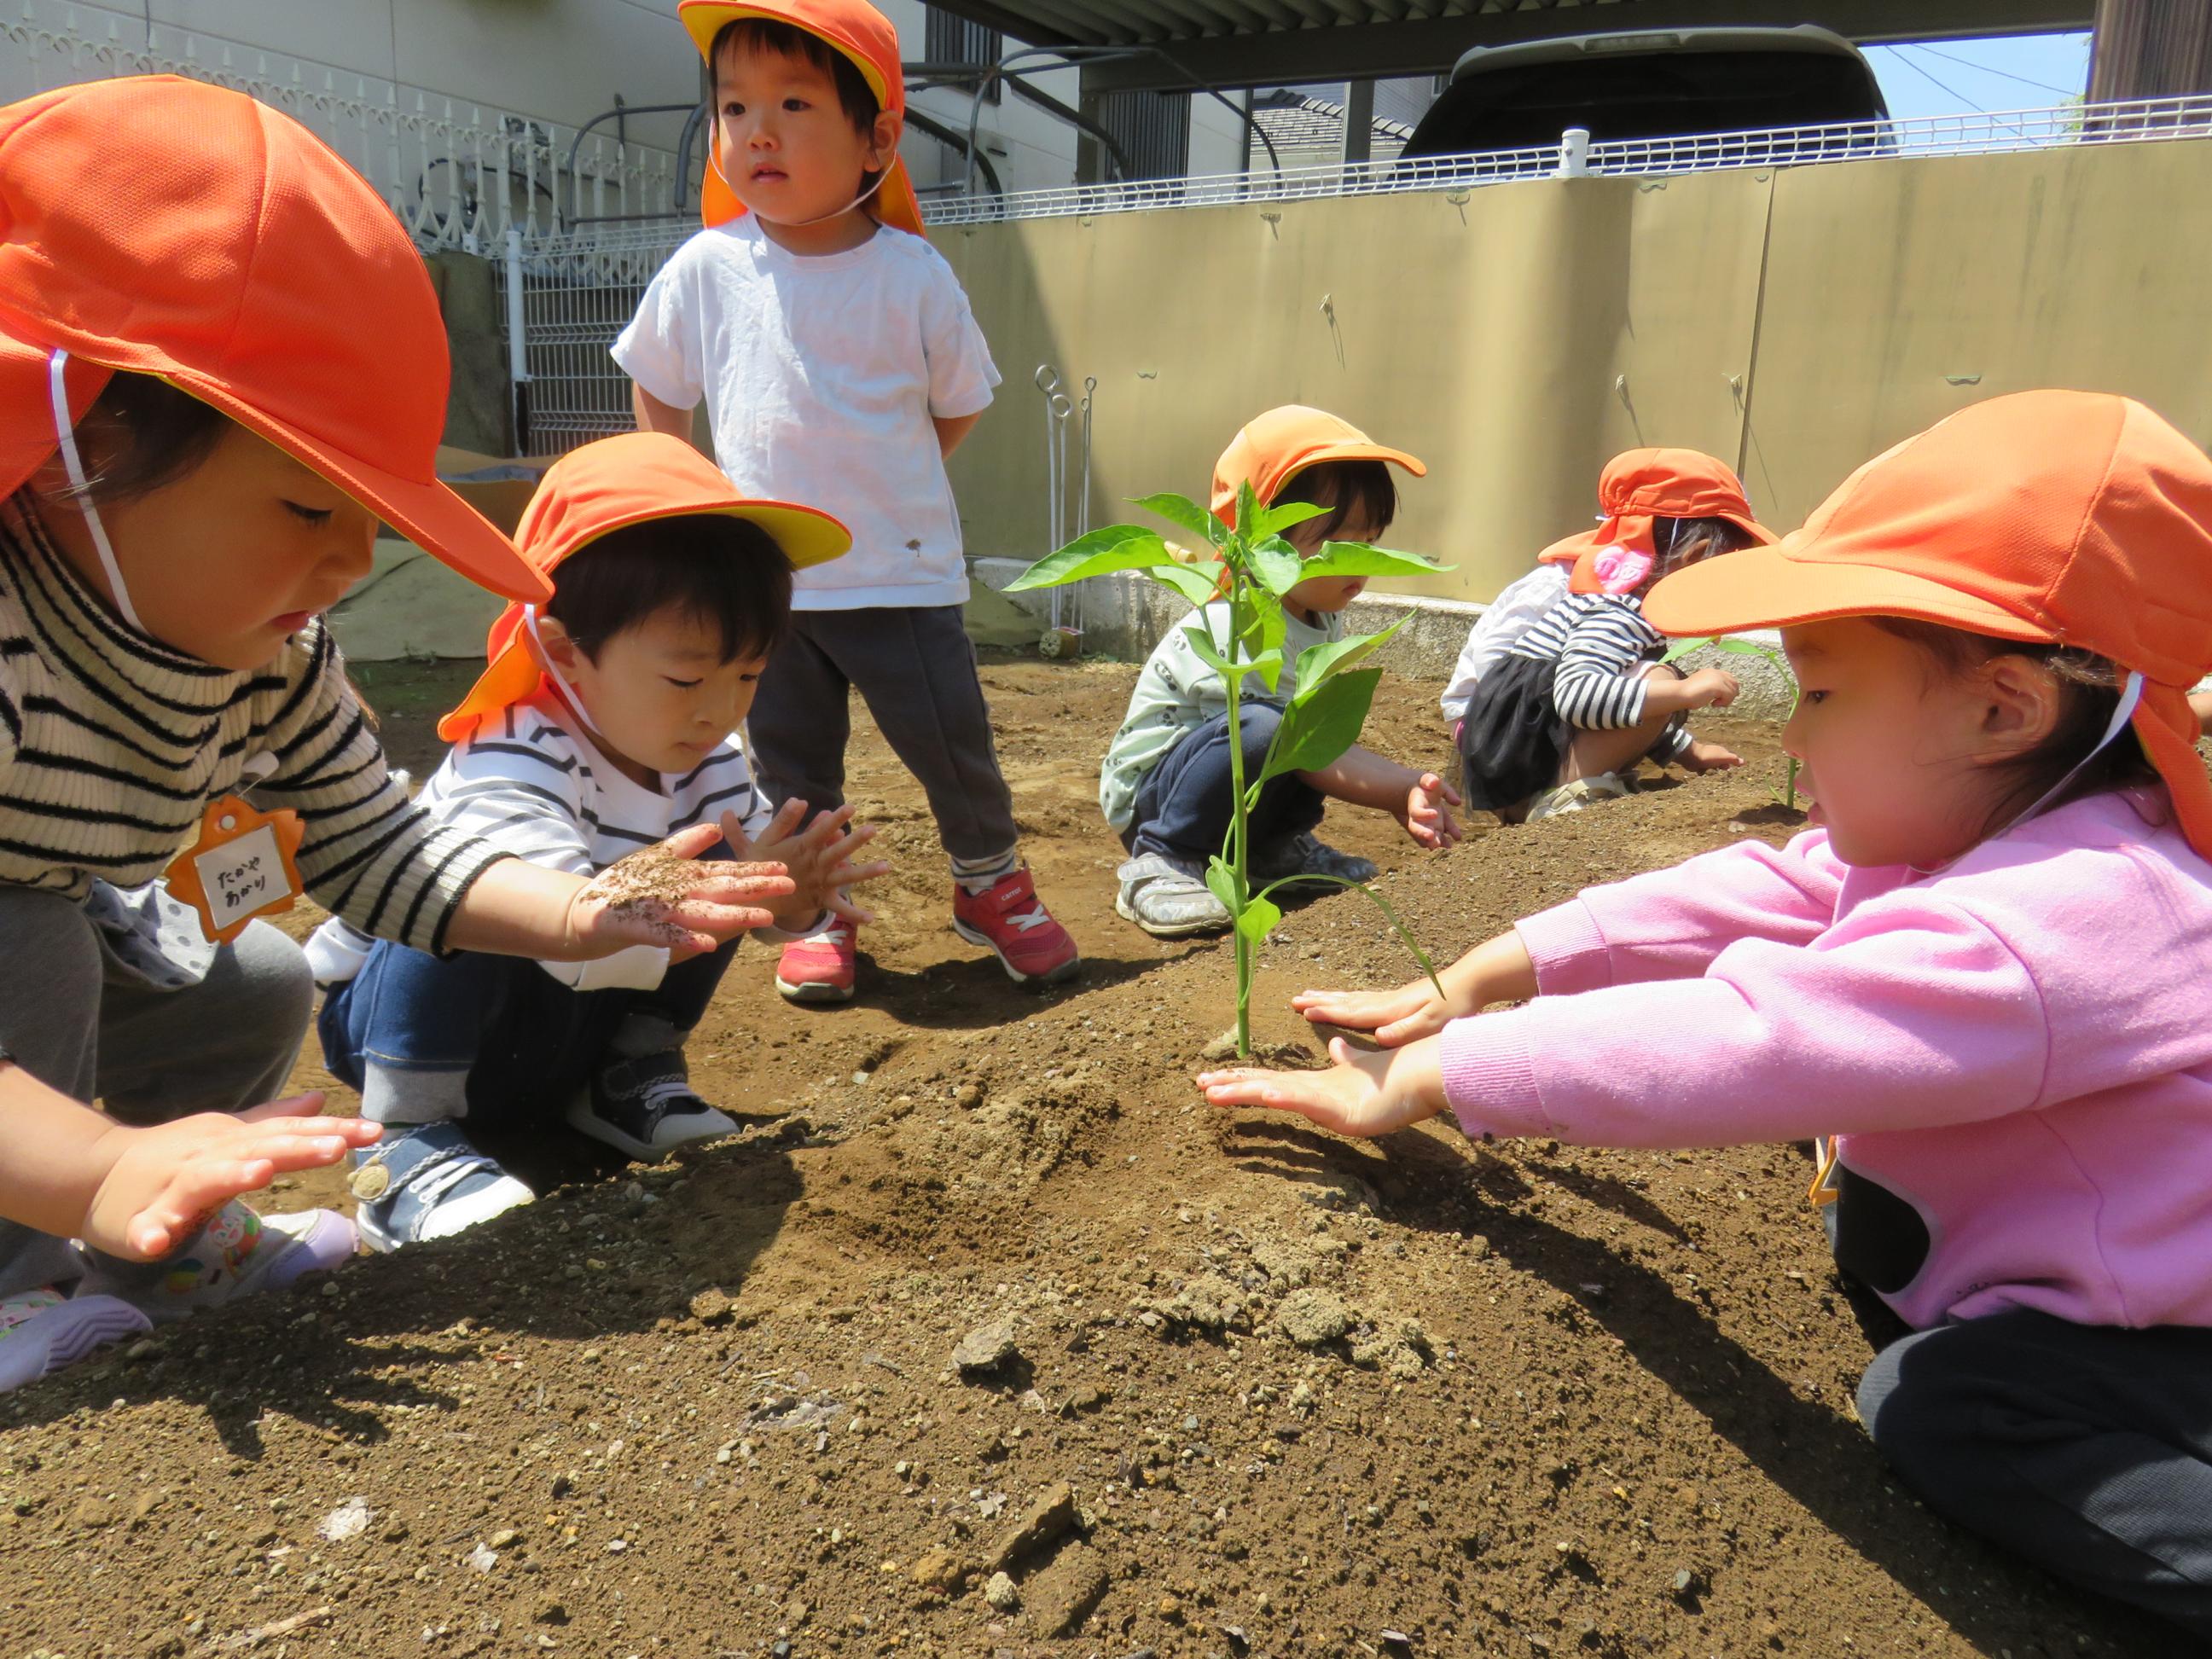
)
(1396, 1017)
(1427, 814)
(1363, 1092)
(819, 858)
(662, 896)
(165, 1179)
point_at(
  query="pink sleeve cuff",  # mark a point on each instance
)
(1490, 1075)
(1568, 950)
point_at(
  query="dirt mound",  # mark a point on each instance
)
(1225, 1385)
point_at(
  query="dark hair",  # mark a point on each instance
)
(142, 435)
(721, 571)
(1363, 490)
(1681, 542)
(2089, 690)
(778, 40)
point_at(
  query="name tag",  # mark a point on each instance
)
(242, 867)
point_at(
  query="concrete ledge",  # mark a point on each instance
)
(1123, 616)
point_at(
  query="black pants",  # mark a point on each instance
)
(1183, 804)
(915, 670)
(2086, 1448)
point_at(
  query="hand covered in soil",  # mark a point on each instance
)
(1702, 756)
(1427, 812)
(164, 1179)
(1363, 1092)
(661, 895)
(819, 858)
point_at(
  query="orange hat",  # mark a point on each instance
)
(604, 487)
(1639, 486)
(1274, 446)
(239, 259)
(855, 28)
(2073, 517)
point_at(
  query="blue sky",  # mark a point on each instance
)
(1988, 74)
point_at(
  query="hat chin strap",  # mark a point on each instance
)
(65, 433)
(545, 661)
(714, 161)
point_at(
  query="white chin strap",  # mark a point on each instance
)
(65, 433)
(714, 161)
(545, 661)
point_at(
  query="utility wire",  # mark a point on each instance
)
(1990, 69)
(1951, 91)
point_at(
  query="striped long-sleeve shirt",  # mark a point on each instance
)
(1598, 643)
(530, 778)
(111, 745)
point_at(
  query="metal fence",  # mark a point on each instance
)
(569, 293)
(457, 175)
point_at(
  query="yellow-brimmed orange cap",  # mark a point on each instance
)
(1274, 446)
(239, 259)
(2077, 518)
(855, 28)
(608, 486)
(1640, 486)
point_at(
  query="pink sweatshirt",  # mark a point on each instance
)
(2015, 1053)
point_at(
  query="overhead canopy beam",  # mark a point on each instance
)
(1377, 50)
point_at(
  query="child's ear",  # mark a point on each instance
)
(2020, 704)
(559, 645)
(883, 139)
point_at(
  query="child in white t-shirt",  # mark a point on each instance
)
(839, 365)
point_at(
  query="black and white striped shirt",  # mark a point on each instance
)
(111, 745)
(1598, 643)
(530, 779)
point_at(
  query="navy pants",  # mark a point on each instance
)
(527, 1042)
(1183, 804)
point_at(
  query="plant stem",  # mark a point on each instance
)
(1237, 822)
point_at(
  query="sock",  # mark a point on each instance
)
(980, 875)
(389, 1095)
(645, 1031)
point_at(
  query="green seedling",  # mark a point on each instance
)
(1249, 569)
(1787, 795)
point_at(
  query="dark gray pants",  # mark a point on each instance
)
(2087, 1449)
(81, 1021)
(915, 669)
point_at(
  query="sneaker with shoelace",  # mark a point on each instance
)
(42, 1330)
(426, 1181)
(1009, 919)
(1305, 854)
(820, 967)
(646, 1108)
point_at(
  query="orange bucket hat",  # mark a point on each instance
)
(2073, 517)
(608, 486)
(1274, 446)
(1641, 486)
(239, 259)
(855, 28)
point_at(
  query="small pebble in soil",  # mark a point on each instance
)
(985, 1348)
(1001, 1594)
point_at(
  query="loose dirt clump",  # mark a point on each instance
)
(1259, 1390)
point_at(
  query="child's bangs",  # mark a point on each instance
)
(767, 37)
(727, 574)
(1355, 492)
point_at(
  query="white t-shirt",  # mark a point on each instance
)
(821, 374)
(1503, 622)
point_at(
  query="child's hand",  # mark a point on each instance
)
(662, 897)
(1712, 688)
(1426, 814)
(1362, 1093)
(1702, 756)
(818, 857)
(164, 1179)
(1396, 1017)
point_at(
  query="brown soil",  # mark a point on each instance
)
(1557, 1401)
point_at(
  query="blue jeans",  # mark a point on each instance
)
(1183, 804)
(527, 1042)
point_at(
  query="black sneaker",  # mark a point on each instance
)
(646, 1108)
(1306, 854)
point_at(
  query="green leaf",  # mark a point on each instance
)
(1684, 648)
(1116, 547)
(1248, 509)
(1318, 729)
(1221, 882)
(1199, 583)
(1277, 565)
(1268, 666)
(1317, 664)
(1390, 916)
(1185, 513)
(1274, 628)
(1258, 919)
(1201, 641)
(1358, 559)
(1274, 520)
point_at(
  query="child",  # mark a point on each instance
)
(606, 723)
(1982, 973)
(1635, 485)
(1166, 785)
(219, 365)
(1576, 702)
(839, 365)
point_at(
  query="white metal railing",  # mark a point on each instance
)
(457, 175)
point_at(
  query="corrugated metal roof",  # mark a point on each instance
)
(1126, 22)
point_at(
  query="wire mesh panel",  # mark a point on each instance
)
(579, 291)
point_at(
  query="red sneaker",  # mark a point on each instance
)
(819, 967)
(1010, 918)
